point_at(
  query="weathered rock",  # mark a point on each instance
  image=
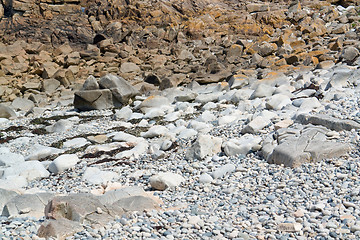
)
(90, 84)
(11, 159)
(205, 145)
(223, 170)
(22, 104)
(162, 181)
(256, 124)
(93, 99)
(5, 197)
(136, 203)
(59, 229)
(30, 170)
(63, 163)
(27, 205)
(349, 54)
(328, 122)
(50, 85)
(60, 126)
(243, 145)
(129, 67)
(6, 112)
(96, 176)
(308, 147)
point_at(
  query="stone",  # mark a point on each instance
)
(96, 176)
(205, 145)
(242, 145)
(289, 227)
(129, 67)
(93, 100)
(155, 131)
(27, 205)
(328, 122)
(22, 104)
(5, 197)
(90, 84)
(111, 196)
(349, 54)
(63, 162)
(136, 203)
(6, 112)
(308, 147)
(256, 125)
(59, 229)
(83, 208)
(262, 90)
(50, 85)
(38, 152)
(278, 101)
(223, 170)
(75, 143)
(60, 126)
(11, 159)
(205, 178)
(162, 181)
(154, 101)
(29, 170)
(123, 114)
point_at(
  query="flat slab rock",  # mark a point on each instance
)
(328, 122)
(308, 147)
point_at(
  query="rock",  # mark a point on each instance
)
(289, 227)
(154, 101)
(308, 147)
(5, 197)
(93, 99)
(278, 101)
(120, 88)
(349, 54)
(256, 124)
(155, 131)
(27, 205)
(162, 181)
(63, 162)
(6, 112)
(243, 145)
(223, 170)
(328, 122)
(60, 126)
(262, 90)
(123, 114)
(95, 176)
(11, 159)
(50, 85)
(39, 151)
(129, 67)
(110, 197)
(205, 178)
(83, 208)
(257, 7)
(30, 170)
(59, 229)
(205, 145)
(22, 104)
(90, 84)
(75, 143)
(136, 203)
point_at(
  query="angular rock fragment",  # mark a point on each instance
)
(63, 163)
(93, 99)
(6, 112)
(328, 122)
(59, 229)
(205, 145)
(162, 181)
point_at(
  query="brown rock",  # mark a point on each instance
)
(59, 229)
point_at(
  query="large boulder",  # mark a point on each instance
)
(93, 99)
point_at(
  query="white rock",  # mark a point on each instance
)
(154, 101)
(11, 159)
(227, 119)
(140, 149)
(123, 137)
(162, 181)
(242, 145)
(123, 114)
(210, 97)
(205, 178)
(60, 126)
(220, 172)
(13, 183)
(4, 150)
(310, 103)
(206, 116)
(200, 126)
(278, 101)
(187, 133)
(30, 170)
(256, 125)
(262, 90)
(75, 143)
(154, 112)
(40, 151)
(205, 145)
(63, 162)
(155, 131)
(95, 176)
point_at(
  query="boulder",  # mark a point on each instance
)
(6, 112)
(59, 229)
(5, 197)
(204, 145)
(63, 163)
(30, 170)
(328, 122)
(93, 99)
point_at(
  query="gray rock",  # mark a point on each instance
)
(11, 159)
(205, 145)
(162, 181)
(328, 122)
(136, 203)
(123, 114)
(96, 176)
(59, 229)
(63, 163)
(75, 143)
(308, 147)
(5, 197)
(90, 84)
(256, 124)
(112, 196)
(27, 205)
(278, 101)
(129, 67)
(6, 112)
(60, 126)
(22, 104)
(93, 99)
(262, 90)
(50, 85)
(205, 178)
(349, 54)
(39, 151)
(209, 97)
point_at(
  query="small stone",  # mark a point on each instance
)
(162, 181)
